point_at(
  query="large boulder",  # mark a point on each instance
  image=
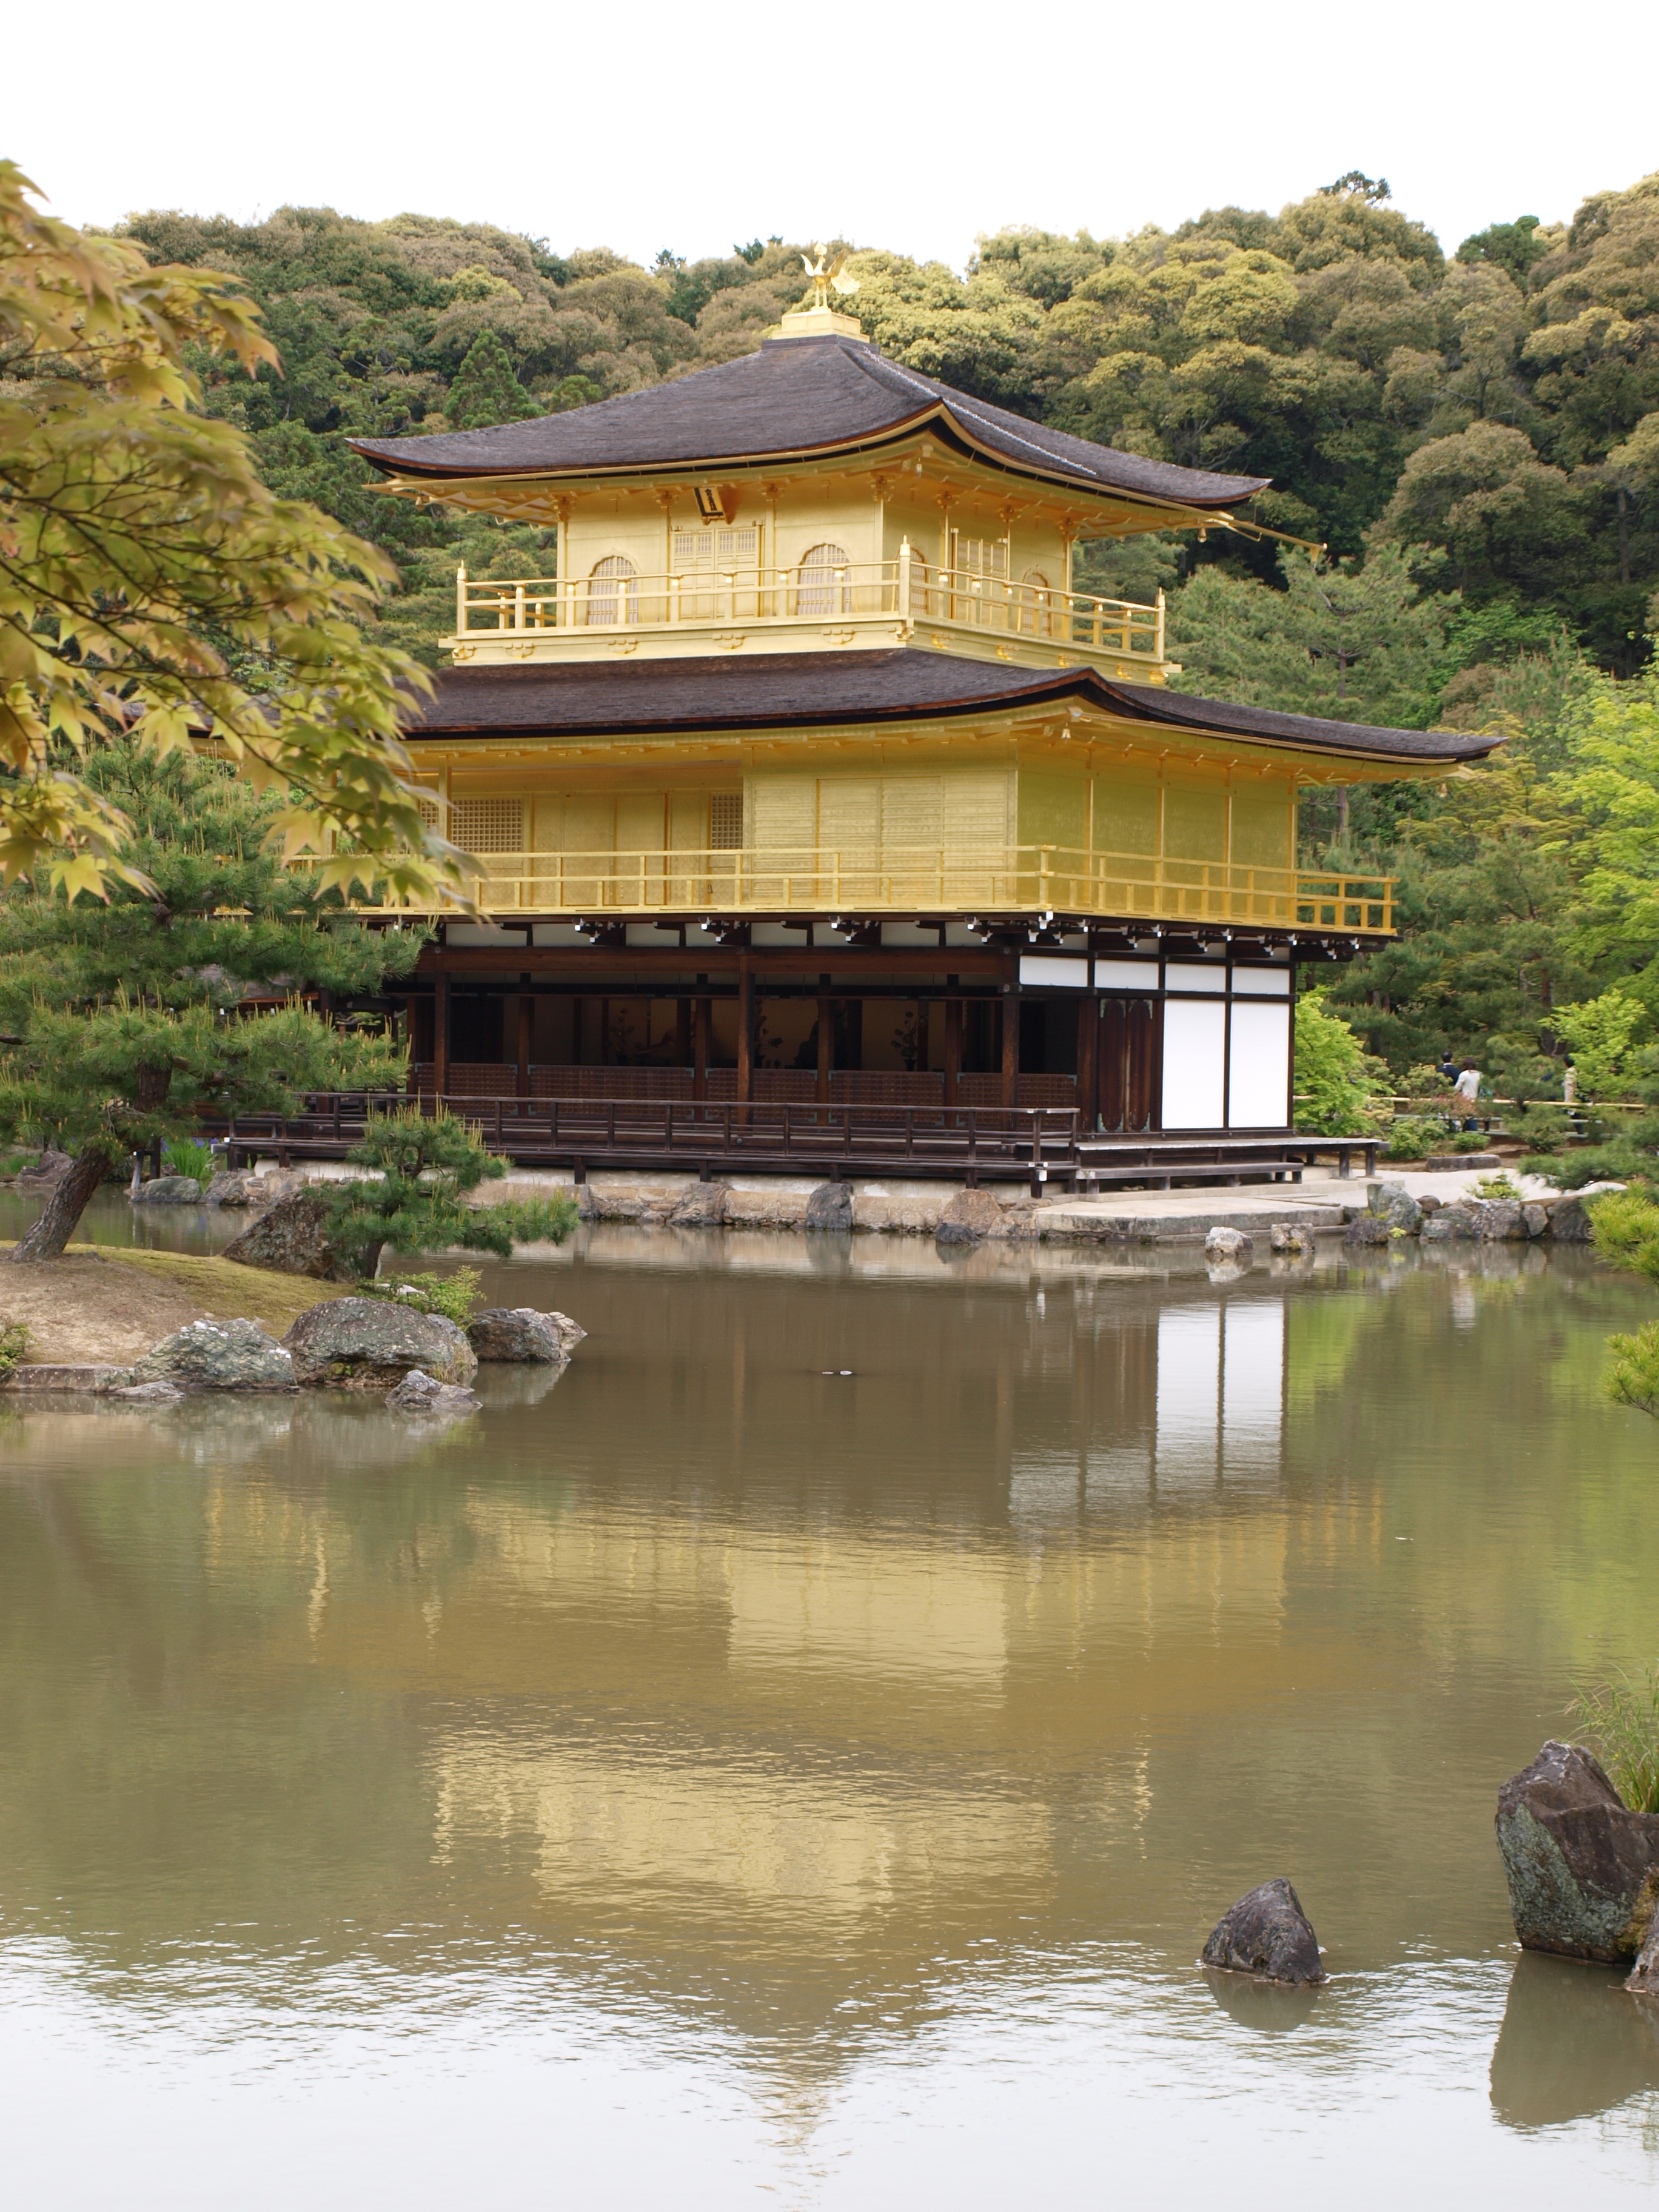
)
(168, 1190)
(1460, 1221)
(830, 1207)
(371, 1344)
(699, 1206)
(1267, 1934)
(217, 1355)
(420, 1393)
(1569, 1216)
(1392, 1205)
(519, 1334)
(1582, 1869)
(291, 1239)
(970, 1215)
(44, 1174)
(1497, 1220)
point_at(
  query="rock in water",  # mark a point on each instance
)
(1582, 1868)
(830, 1206)
(371, 1344)
(149, 1394)
(519, 1334)
(1392, 1204)
(970, 1215)
(420, 1393)
(292, 1239)
(217, 1355)
(168, 1190)
(1368, 1229)
(701, 1206)
(45, 1173)
(1291, 1236)
(1230, 1245)
(231, 1187)
(569, 1332)
(1267, 1934)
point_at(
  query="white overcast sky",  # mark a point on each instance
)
(696, 125)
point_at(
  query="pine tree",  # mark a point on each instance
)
(485, 391)
(121, 1021)
(424, 1167)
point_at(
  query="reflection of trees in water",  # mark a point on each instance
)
(753, 1693)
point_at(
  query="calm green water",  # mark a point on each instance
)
(711, 1781)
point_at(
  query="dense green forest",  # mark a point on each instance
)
(1473, 438)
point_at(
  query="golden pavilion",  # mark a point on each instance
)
(809, 776)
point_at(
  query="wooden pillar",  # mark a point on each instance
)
(1009, 1003)
(441, 1032)
(683, 1032)
(576, 1032)
(746, 1029)
(952, 1048)
(701, 1010)
(1088, 1063)
(922, 1035)
(826, 1046)
(526, 1020)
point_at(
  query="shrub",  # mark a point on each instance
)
(1624, 1230)
(1334, 1074)
(455, 1297)
(1501, 1185)
(1631, 1376)
(188, 1156)
(1623, 1717)
(14, 1345)
(1412, 1135)
(1604, 1034)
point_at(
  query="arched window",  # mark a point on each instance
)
(1035, 610)
(825, 583)
(612, 594)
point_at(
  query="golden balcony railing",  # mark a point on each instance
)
(907, 589)
(913, 880)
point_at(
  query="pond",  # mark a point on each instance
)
(796, 1756)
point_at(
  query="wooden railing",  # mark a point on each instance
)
(920, 880)
(1011, 1142)
(908, 588)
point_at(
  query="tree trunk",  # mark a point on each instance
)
(63, 1209)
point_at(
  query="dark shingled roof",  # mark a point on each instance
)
(795, 396)
(599, 698)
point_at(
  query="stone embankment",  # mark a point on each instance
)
(1393, 1213)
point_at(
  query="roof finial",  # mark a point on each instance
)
(826, 276)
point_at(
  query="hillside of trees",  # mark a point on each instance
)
(1475, 438)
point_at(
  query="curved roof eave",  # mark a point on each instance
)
(1043, 466)
(681, 698)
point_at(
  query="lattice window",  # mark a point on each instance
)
(487, 825)
(825, 586)
(430, 808)
(980, 557)
(612, 594)
(725, 821)
(697, 551)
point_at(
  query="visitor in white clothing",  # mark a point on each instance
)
(1468, 1088)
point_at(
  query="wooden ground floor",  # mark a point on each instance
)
(1157, 1035)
